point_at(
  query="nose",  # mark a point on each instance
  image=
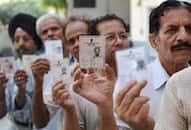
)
(21, 42)
(50, 33)
(76, 44)
(183, 35)
(119, 41)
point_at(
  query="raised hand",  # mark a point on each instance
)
(40, 67)
(94, 87)
(61, 95)
(3, 81)
(133, 108)
(20, 78)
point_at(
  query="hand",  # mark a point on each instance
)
(3, 81)
(40, 67)
(133, 108)
(20, 78)
(61, 95)
(96, 88)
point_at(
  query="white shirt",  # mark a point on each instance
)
(157, 77)
(175, 107)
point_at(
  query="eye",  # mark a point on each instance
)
(71, 41)
(54, 28)
(171, 30)
(16, 39)
(110, 38)
(44, 32)
(123, 36)
(188, 28)
(26, 39)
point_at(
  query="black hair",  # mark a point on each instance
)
(75, 19)
(93, 23)
(156, 13)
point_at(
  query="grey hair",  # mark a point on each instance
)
(45, 17)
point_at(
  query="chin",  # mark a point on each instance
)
(182, 60)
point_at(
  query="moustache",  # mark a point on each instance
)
(181, 45)
(23, 50)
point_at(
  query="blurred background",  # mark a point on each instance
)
(134, 12)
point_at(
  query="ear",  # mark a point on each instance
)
(153, 39)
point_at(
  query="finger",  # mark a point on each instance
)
(109, 72)
(143, 112)
(2, 76)
(41, 65)
(136, 89)
(20, 71)
(44, 62)
(74, 68)
(77, 74)
(77, 86)
(133, 92)
(20, 79)
(136, 105)
(59, 94)
(20, 74)
(123, 92)
(57, 87)
(62, 100)
(41, 60)
(90, 70)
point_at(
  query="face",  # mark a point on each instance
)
(23, 43)
(116, 38)
(173, 42)
(50, 29)
(72, 33)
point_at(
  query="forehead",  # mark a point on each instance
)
(175, 16)
(21, 33)
(76, 27)
(110, 26)
(48, 23)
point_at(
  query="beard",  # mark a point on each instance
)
(22, 50)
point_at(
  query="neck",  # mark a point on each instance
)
(114, 67)
(173, 67)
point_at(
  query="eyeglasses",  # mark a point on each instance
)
(72, 40)
(112, 37)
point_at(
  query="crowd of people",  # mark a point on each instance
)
(87, 102)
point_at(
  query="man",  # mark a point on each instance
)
(97, 113)
(175, 103)
(119, 41)
(22, 32)
(50, 27)
(73, 28)
(170, 36)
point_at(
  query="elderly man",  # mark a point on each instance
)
(170, 36)
(96, 113)
(73, 28)
(50, 27)
(22, 32)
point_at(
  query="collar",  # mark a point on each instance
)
(158, 75)
(72, 60)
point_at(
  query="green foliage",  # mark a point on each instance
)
(58, 5)
(8, 10)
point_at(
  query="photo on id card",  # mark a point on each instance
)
(59, 72)
(54, 49)
(27, 61)
(131, 66)
(92, 51)
(8, 65)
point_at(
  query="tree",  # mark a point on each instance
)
(58, 5)
(8, 10)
